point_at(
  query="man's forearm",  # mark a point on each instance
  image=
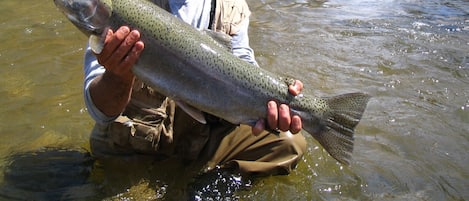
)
(110, 94)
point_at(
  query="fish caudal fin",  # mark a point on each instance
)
(340, 121)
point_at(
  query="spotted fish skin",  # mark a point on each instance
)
(190, 67)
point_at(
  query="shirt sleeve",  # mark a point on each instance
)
(92, 69)
(240, 44)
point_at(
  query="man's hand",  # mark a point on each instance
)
(121, 50)
(111, 91)
(279, 117)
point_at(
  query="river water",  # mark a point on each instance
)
(412, 56)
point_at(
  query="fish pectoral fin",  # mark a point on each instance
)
(96, 42)
(193, 112)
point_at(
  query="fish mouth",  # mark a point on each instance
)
(90, 16)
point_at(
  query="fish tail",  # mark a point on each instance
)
(336, 134)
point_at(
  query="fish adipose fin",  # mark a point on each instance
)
(345, 112)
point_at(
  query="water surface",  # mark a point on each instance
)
(412, 56)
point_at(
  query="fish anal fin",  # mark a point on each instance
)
(192, 111)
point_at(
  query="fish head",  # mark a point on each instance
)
(89, 16)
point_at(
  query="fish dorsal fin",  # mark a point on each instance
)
(223, 39)
(192, 111)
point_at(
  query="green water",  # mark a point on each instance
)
(411, 56)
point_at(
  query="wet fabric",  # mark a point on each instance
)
(226, 146)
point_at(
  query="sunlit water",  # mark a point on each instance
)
(412, 56)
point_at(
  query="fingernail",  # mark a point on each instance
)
(283, 107)
(271, 104)
(133, 35)
(125, 30)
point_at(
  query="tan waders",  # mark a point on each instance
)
(163, 130)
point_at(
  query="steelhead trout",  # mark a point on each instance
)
(193, 69)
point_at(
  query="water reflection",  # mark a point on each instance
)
(48, 174)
